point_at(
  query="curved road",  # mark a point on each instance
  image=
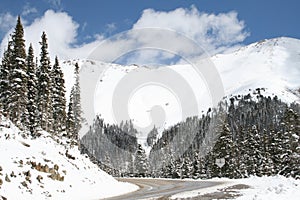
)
(157, 188)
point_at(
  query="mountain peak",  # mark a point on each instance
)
(272, 64)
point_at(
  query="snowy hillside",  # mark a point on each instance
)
(272, 64)
(42, 168)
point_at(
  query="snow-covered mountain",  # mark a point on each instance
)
(43, 168)
(273, 64)
(48, 168)
(112, 90)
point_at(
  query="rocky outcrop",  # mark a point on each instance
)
(53, 171)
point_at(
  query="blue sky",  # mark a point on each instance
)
(97, 19)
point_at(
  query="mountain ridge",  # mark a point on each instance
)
(272, 64)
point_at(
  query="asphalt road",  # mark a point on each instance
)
(160, 188)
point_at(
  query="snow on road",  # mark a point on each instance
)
(258, 188)
(270, 188)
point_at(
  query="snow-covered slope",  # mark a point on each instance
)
(272, 64)
(42, 168)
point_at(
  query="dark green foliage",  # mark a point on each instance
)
(128, 127)
(152, 136)
(32, 91)
(254, 135)
(5, 89)
(224, 148)
(141, 165)
(26, 96)
(58, 98)
(18, 78)
(105, 141)
(44, 96)
(70, 124)
(257, 137)
(78, 120)
(74, 115)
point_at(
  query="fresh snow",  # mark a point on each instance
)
(272, 64)
(269, 188)
(258, 188)
(82, 178)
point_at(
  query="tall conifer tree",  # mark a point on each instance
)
(32, 90)
(18, 78)
(5, 90)
(44, 97)
(70, 124)
(78, 120)
(58, 98)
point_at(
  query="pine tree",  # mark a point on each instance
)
(18, 78)
(44, 96)
(224, 148)
(198, 168)
(32, 90)
(253, 152)
(5, 90)
(140, 162)
(290, 147)
(77, 104)
(151, 138)
(58, 98)
(70, 122)
(187, 168)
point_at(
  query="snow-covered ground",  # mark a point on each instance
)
(166, 95)
(269, 188)
(43, 168)
(273, 64)
(258, 188)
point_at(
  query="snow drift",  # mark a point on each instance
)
(48, 168)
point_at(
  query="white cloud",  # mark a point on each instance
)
(159, 36)
(60, 29)
(110, 27)
(28, 9)
(214, 33)
(61, 32)
(7, 22)
(55, 3)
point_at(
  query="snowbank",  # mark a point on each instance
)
(269, 188)
(258, 188)
(46, 168)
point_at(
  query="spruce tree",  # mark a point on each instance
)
(224, 148)
(140, 162)
(70, 122)
(32, 90)
(5, 90)
(151, 137)
(77, 103)
(44, 97)
(187, 168)
(58, 98)
(18, 78)
(290, 158)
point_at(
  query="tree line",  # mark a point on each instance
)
(32, 92)
(115, 148)
(251, 134)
